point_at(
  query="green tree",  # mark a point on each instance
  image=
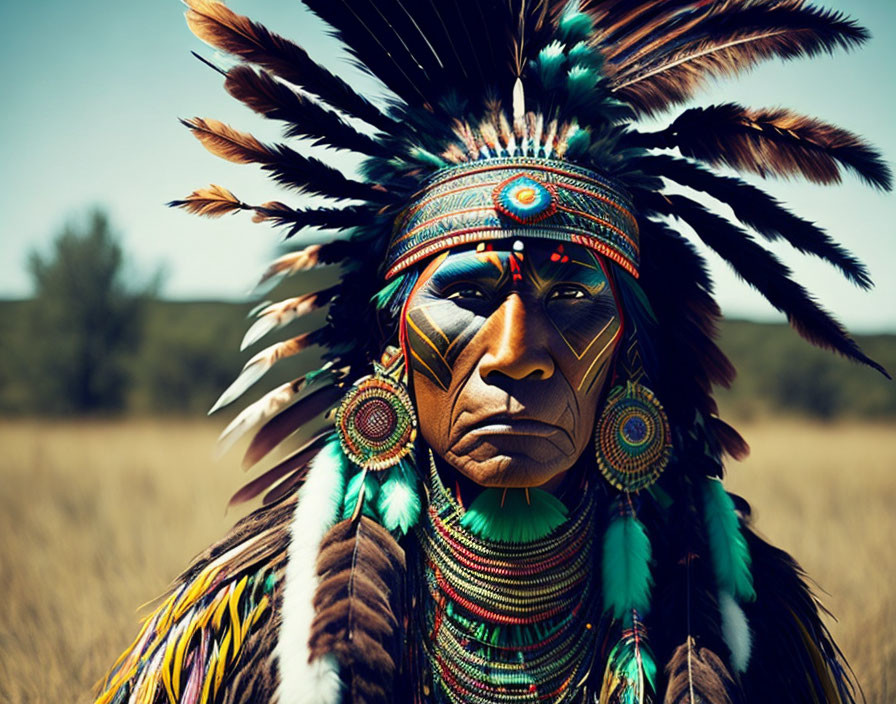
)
(85, 321)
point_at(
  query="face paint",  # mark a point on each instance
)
(509, 350)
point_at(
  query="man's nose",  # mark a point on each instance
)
(519, 345)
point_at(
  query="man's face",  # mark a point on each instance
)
(509, 348)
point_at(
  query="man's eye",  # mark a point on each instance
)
(463, 291)
(567, 292)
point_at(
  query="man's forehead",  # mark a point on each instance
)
(551, 257)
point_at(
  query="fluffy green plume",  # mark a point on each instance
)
(626, 566)
(398, 500)
(577, 142)
(581, 82)
(549, 65)
(730, 554)
(353, 493)
(514, 515)
(574, 26)
(630, 674)
(583, 54)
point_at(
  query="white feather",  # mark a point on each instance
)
(519, 101)
(736, 632)
(319, 507)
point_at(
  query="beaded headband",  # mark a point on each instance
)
(516, 197)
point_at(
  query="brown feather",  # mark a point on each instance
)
(296, 462)
(771, 142)
(287, 422)
(212, 202)
(731, 441)
(358, 607)
(697, 676)
(216, 24)
(225, 142)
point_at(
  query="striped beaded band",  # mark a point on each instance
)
(516, 197)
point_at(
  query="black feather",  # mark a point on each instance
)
(760, 211)
(296, 219)
(764, 272)
(769, 142)
(277, 101)
(216, 24)
(792, 651)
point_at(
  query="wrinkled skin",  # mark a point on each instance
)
(510, 345)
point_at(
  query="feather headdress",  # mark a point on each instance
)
(557, 88)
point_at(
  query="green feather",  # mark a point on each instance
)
(427, 157)
(549, 65)
(626, 566)
(383, 297)
(730, 554)
(574, 26)
(507, 516)
(398, 500)
(353, 494)
(631, 669)
(577, 142)
(585, 55)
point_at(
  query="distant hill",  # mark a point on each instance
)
(190, 354)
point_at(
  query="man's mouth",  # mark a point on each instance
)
(512, 425)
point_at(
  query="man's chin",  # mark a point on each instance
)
(495, 462)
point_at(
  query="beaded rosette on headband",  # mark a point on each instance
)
(506, 118)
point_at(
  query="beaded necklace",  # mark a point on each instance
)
(506, 622)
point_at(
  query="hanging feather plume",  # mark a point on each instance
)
(626, 563)
(309, 680)
(697, 676)
(359, 607)
(730, 555)
(360, 496)
(212, 202)
(630, 674)
(276, 315)
(736, 632)
(288, 167)
(398, 500)
(288, 421)
(294, 466)
(277, 101)
(770, 142)
(215, 24)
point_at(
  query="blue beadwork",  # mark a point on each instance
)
(635, 429)
(523, 199)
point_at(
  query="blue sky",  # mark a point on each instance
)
(92, 92)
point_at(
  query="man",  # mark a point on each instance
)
(504, 480)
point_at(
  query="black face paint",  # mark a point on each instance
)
(567, 281)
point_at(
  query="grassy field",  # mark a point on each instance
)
(96, 518)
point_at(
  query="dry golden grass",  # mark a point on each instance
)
(97, 517)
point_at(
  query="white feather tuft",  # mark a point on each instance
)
(736, 632)
(320, 504)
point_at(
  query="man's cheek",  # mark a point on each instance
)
(437, 333)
